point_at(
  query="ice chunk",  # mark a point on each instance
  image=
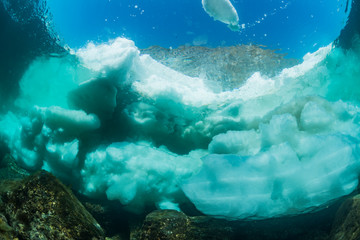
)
(61, 158)
(315, 118)
(236, 142)
(67, 152)
(292, 149)
(160, 82)
(279, 180)
(20, 135)
(224, 11)
(74, 121)
(282, 128)
(96, 96)
(115, 57)
(48, 80)
(136, 174)
(47, 136)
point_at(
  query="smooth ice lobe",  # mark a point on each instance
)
(277, 181)
(73, 121)
(223, 11)
(294, 171)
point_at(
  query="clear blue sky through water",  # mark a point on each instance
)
(294, 26)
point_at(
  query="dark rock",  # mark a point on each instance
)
(174, 225)
(166, 224)
(171, 225)
(347, 221)
(41, 207)
(6, 232)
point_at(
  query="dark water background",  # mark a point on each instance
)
(23, 38)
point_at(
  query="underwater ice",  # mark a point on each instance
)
(120, 125)
(297, 171)
(223, 11)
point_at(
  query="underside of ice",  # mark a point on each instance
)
(294, 171)
(118, 124)
(223, 11)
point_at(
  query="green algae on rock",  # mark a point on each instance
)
(174, 225)
(347, 222)
(41, 207)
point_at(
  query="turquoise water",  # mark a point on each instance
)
(244, 118)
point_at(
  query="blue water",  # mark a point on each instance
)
(294, 26)
(118, 125)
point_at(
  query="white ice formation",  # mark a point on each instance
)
(142, 133)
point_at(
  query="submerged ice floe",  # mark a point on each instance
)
(137, 172)
(282, 169)
(223, 11)
(117, 124)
